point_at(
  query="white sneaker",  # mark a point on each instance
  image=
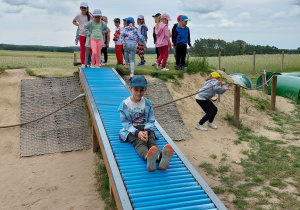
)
(83, 65)
(92, 66)
(200, 127)
(164, 69)
(212, 125)
(156, 65)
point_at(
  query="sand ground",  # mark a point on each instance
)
(52, 181)
(66, 180)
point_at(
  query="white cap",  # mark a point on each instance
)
(141, 17)
(97, 12)
(84, 4)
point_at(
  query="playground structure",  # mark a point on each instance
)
(288, 84)
(179, 187)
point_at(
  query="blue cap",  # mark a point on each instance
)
(138, 81)
(125, 19)
(97, 12)
(84, 4)
(184, 18)
(130, 20)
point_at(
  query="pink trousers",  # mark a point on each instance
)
(96, 51)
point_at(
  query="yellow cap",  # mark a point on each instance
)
(215, 75)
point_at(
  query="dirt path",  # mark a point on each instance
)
(55, 181)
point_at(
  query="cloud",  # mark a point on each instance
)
(227, 24)
(214, 15)
(244, 16)
(13, 10)
(53, 6)
(279, 15)
(296, 2)
(295, 11)
(200, 6)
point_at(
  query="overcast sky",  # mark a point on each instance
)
(258, 22)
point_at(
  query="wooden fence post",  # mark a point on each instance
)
(282, 60)
(273, 93)
(219, 55)
(253, 69)
(237, 98)
(264, 79)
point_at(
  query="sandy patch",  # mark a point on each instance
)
(220, 142)
(53, 181)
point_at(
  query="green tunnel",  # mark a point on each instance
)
(288, 85)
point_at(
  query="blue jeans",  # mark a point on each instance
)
(210, 110)
(129, 51)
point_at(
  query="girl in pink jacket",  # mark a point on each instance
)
(163, 40)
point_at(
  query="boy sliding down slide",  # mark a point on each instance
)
(137, 118)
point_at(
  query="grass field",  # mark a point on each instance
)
(52, 64)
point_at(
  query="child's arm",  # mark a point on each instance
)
(87, 28)
(127, 124)
(175, 38)
(104, 27)
(77, 36)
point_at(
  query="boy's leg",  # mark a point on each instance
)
(119, 55)
(126, 53)
(178, 55)
(207, 108)
(105, 54)
(139, 145)
(184, 50)
(157, 52)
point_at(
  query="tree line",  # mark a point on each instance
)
(201, 47)
(211, 47)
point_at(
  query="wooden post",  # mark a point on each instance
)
(264, 80)
(75, 57)
(219, 97)
(219, 54)
(95, 140)
(273, 93)
(282, 59)
(237, 90)
(253, 69)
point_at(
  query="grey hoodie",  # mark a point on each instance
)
(211, 92)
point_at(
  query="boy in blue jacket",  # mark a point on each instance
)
(182, 39)
(137, 118)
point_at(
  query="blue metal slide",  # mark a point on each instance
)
(178, 187)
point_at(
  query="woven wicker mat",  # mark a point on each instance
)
(66, 130)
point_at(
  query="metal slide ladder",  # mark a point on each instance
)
(179, 187)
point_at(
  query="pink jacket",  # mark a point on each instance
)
(162, 35)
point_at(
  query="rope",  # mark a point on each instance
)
(32, 121)
(184, 97)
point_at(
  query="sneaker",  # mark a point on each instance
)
(164, 69)
(119, 64)
(97, 66)
(212, 125)
(167, 155)
(126, 66)
(156, 65)
(200, 127)
(141, 64)
(151, 158)
(131, 75)
(88, 66)
(83, 65)
(92, 66)
(182, 67)
(177, 67)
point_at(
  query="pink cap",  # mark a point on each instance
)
(166, 16)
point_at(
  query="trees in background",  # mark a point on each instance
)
(211, 47)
